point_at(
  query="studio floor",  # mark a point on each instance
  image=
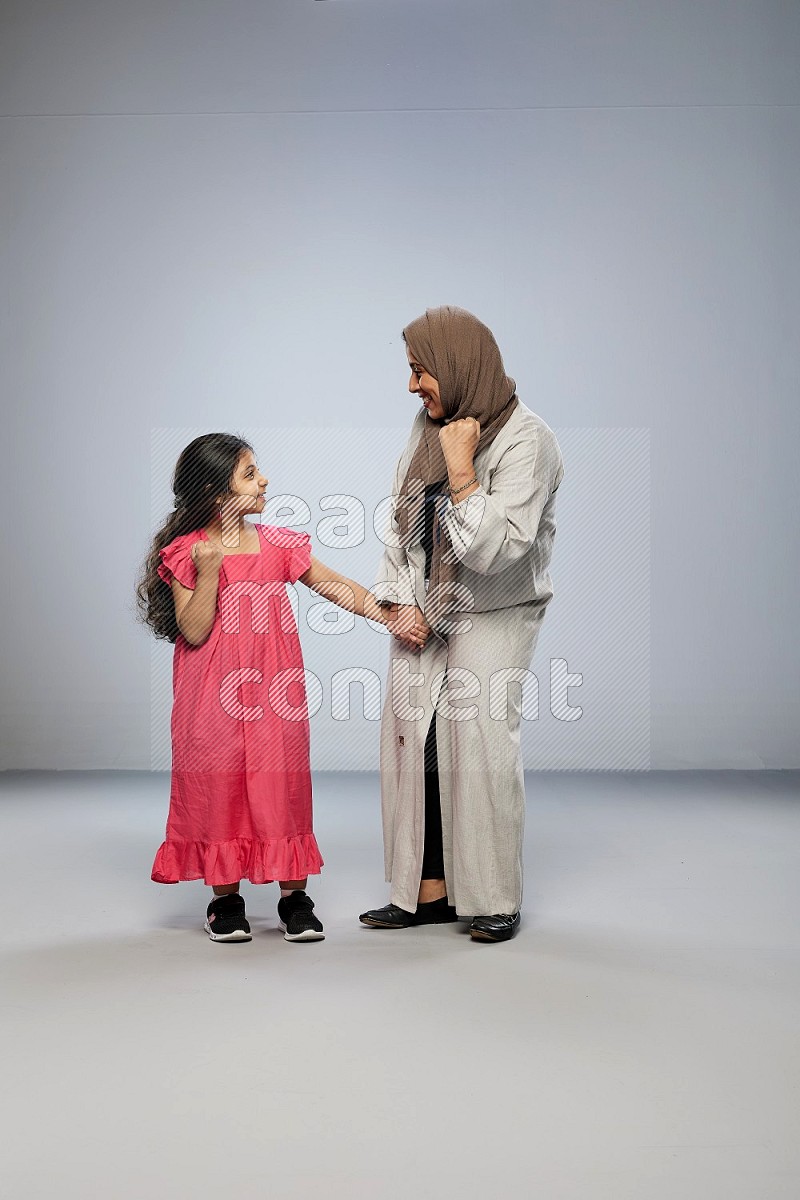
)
(638, 1040)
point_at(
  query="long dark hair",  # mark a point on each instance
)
(204, 471)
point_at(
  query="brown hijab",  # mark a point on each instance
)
(460, 352)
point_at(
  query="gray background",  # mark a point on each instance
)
(221, 215)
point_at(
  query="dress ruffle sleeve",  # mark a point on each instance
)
(176, 563)
(297, 555)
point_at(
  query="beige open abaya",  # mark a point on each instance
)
(502, 535)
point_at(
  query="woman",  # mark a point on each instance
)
(465, 572)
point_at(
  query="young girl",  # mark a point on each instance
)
(215, 585)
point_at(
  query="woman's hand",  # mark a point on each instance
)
(459, 441)
(206, 557)
(407, 624)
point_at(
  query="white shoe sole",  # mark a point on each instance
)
(310, 935)
(238, 935)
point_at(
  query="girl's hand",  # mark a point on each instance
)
(206, 557)
(374, 611)
(408, 625)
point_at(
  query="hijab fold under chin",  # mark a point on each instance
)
(460, 352)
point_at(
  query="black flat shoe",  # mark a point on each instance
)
(391, 916)
(388, 917)
(497, 928)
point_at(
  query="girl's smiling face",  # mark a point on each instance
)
(425, 386)
(249, 484)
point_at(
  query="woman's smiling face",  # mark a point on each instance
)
(425, 386)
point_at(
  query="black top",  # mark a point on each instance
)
(431, 491)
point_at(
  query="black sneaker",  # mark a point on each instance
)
(225, 920)
(297, 918)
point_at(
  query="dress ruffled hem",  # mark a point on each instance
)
(220, 863)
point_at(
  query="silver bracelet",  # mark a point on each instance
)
(455, 491)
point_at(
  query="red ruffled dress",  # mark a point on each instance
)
(240, 795)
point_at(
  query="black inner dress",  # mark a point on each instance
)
(433, 856)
